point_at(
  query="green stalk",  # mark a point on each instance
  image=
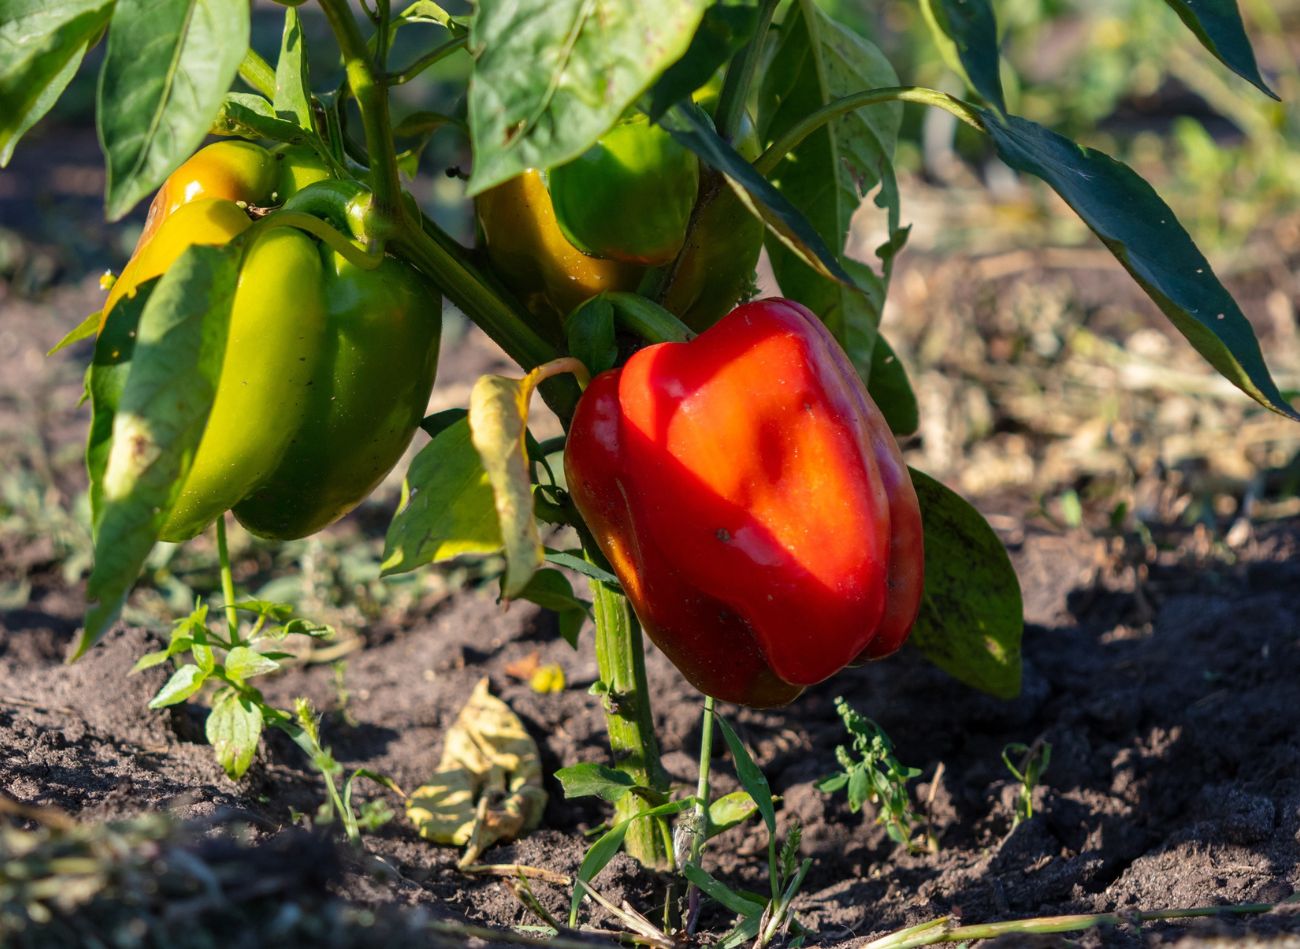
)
(620, 655)
(787, 143)
(372, 100)
(227, 582)
(257, 72)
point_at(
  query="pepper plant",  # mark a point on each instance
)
(738, 492)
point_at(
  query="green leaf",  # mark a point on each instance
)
(551, 590)
(744, 932)
(833, 169)
(690, 126)
(250, 116)
(1145, 236)
(163, 408)
(86, 329)
(151, 659)
(726, 27)
(551, 76)
(730, 810)
(106, 379)
(1217, 24)
(243, 664)
(590, 332)
(891, 390)
(168, 66)
(447, 505)
(42, 43)
(233, 729)
(971, 616)
(184, 682)
(292, 82)
(718, 891)
(594, 780)
(580, 565)
(498, 421)
(435, 424)
(966, 33)
(751, 778)
(606, 846)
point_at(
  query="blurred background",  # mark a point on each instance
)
(1051, 390)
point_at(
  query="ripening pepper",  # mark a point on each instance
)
(639, 170)
(629, 196)
(327, 368)
(752, 502)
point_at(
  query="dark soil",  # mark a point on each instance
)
(1165, 679)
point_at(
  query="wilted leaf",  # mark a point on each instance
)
(488, 786)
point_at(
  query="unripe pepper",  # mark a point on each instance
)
(327, 368)
(752, 502)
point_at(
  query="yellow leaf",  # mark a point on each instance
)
(488, 786)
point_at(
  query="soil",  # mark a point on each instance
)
(1163, 673)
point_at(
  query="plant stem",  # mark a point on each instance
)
(702, 826)
(942, 929)
(740, 76)
(372, 101)
(227, 581)
(435, 55)
(647, 319)
(257, 72)
(448, 266)
(620, 655)
(787, 143)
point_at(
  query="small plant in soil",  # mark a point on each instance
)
(1033, 762)
(871, 774)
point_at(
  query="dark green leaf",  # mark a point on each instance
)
(250, 116)
(1217, 24)
(233, 729)
(828, 175)
(1143, 234)
(971, 616)
(594, 780)
(164, 405)
(585, 567)
(42, 43)
(292, 83)
(606, 846)
(693, 129)
(184, 682)
(751, 778)
(551, 76)
(551, 590)
(590, 331)
(726, 27)
(436, 423)
(967, 35)
(447, 508)
(168, 66)
(718, 891)
(744, 932)
(890, 389)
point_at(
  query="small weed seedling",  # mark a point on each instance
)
(871, 774)
(239, 710)
(760, 918)
(1034, 760)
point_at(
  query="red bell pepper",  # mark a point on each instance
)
(752, 502)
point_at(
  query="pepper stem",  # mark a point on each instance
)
(620, 655)
(227, 581)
